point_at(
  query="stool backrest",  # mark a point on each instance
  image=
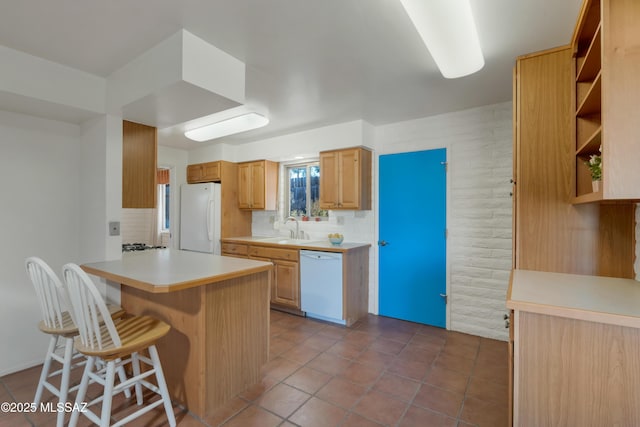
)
(89, 309)
(50, 292)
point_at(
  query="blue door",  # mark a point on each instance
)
(412, 233)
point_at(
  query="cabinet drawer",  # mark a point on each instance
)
(235, 249)
(274, 253)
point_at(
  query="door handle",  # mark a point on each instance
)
(383, 243)
(445, 297)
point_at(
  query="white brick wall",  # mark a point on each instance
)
(479, 150)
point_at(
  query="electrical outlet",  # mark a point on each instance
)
(114, 228)
(340, 220)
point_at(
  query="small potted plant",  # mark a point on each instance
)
(595, 167)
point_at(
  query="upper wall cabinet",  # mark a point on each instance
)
(606, 48)
(203, 172)
(345, 179)
(139, 154)
(258, 184)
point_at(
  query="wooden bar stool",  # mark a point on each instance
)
(109, 342)
(58, 323)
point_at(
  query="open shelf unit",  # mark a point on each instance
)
(606, 50)
(587, 45)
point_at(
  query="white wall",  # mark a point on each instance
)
(479, 150)
(100, 166)
(40, 175)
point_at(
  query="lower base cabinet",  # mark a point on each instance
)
(576, 347)
(285, 279)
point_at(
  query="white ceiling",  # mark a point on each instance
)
(309, 62)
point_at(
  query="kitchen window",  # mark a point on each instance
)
(164, 199)
(303, 182)
(165, 206)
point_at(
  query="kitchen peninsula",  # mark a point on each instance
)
(218, 309)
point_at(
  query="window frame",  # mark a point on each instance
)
(307, 164)
(164, 210)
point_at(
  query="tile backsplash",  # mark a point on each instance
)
(139, 226)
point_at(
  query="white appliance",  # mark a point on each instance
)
(321, 285)
(200, 213)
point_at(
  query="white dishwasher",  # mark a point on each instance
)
(321, 285)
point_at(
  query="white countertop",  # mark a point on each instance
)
(318, 245)
(594, 298)
(167, 270)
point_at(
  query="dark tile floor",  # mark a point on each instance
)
(381, 372)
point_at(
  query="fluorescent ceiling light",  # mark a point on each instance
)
(449, 31)
(237, 124)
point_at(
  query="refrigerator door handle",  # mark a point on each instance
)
(210, 207)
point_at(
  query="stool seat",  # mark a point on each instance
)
(69, 329)
(136, 333)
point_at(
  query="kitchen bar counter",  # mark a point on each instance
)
(170, 270)
(218, 309)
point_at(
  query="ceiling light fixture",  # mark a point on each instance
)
(449, 31)
(237, 124)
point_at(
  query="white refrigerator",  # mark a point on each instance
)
(200, 217)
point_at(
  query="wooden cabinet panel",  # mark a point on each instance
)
(287, 283)
(235, 249)
(329, 180)
(139, 163)
(244, 186)
(550, 233)
(345, 179)
(204, 172)
(575, 372)
(257, 185)
(275, 253)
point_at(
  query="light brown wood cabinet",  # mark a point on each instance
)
(258, 185)
(139, 163)
(204, 172)
(575, 359)
(285, 288)
(345, 179)
(606, 89)
(285, 284)
(551, 234)
(285, 279)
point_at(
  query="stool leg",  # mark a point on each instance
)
(123, 377)
(45, 369)
(105, 418)
(162, 385)
(64, 380)
(82, 390)
(135, 363)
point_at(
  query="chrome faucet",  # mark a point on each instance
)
(297, 235)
